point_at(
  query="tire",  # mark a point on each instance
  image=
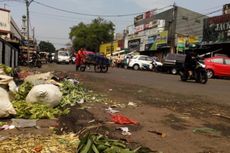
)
(82, 68)
(183, 77)
(174, 71)
(104, 68)
(202, 77)
(39, 64)
(136, 67)
(125, 66)
(97, 68)
(210, 73)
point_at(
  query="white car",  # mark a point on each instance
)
(63, 57)
(140, 62)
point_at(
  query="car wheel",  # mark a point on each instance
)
(210, 73)
(174, 71)
(126, 66)
(136, 67)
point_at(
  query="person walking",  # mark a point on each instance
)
(79, 56)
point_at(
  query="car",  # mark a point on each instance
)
(140, 62)
(173, 62)
(62, 57)
(218, 66)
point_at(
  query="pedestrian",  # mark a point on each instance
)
(79, 57)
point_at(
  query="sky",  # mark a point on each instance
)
(54, 25)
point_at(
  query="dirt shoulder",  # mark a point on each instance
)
(188, 124)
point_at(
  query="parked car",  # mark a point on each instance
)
(173, 62)
(218, 66)
(140, 62)
(62, 57)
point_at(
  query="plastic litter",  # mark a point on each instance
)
(132, 104)
(23, 123)
(125, 131)
(81, 101)
(112, 111)
(121, 119)
(7, 127)
(48, 94)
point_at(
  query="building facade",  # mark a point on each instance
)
(172, 30)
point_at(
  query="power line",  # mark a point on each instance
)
(92, 15)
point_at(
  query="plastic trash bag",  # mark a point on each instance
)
(37, 79)
(6, 108)
(48, 94)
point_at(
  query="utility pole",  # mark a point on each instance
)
(28, 2)
(173, 28)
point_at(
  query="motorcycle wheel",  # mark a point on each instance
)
(39, 64)
(202, 78)
(183, 77)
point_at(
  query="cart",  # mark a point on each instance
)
(99, 62)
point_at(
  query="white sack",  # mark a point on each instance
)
(6, 108)
(48, 94)
(37, 79)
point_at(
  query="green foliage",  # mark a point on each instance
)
(27, 110)
(46, 47)
(96, 143)
(91, 35)
(23, 90)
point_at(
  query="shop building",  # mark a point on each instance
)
(10, 38)
(159, 33)
(216, 39)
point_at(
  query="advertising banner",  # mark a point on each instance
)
(184, 42)
(4, 20)
(134, 45)
(217, 29)
(158, 41)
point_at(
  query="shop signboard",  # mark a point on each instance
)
(138, 18)
(134, 45)
(217, 29)
(161, 39)
(184, 42)
(4, 20)
(139, 28)
(149, 14)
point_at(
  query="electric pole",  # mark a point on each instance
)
(28, 2)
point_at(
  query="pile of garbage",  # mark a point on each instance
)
(39, 96)
(29, 96)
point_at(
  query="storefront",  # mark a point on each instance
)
(217, 34)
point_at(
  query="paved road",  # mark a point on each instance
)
(216, 90)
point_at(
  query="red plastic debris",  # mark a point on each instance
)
(121, 119)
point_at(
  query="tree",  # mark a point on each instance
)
(90, 36)
(46, 47)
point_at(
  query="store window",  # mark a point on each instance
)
(227, 61)
(218, 60)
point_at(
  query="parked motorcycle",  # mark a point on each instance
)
(199, 73)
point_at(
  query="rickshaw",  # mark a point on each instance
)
(100, 63)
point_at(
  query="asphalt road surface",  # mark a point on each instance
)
(215, 91)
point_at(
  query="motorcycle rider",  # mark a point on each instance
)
(190, 63)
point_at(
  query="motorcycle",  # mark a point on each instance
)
(198, 74)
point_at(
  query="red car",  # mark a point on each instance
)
(218, 66)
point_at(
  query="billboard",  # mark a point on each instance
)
(4, 20)
(134, 45)
(217, 29)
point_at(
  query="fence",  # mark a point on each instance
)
(8, 54)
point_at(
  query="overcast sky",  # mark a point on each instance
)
(54, 26)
